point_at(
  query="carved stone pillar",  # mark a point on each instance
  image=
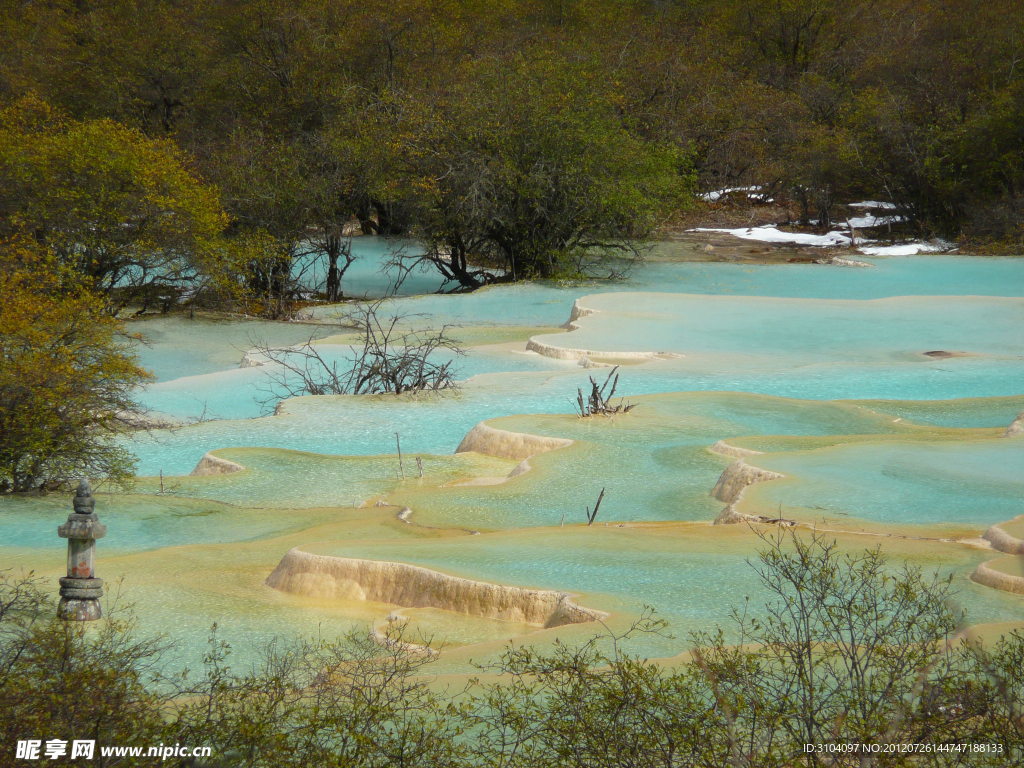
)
(80, 590)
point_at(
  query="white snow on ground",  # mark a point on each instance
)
(752, 193)
(832, 239)
(866, 222)
(774, 235)
(906, 249)
(873, 204)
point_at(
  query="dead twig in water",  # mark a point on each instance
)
(592, 516)
(600, 397)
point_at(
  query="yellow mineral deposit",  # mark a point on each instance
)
(809, 403)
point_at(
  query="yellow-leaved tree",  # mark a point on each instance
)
(67, 374)
(122, 210)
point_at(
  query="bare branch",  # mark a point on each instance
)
(389, 358)
(600, 398)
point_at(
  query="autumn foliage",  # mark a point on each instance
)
(66, 376)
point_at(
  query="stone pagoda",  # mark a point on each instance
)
(80, 590)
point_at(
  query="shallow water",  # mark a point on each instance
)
(820, 350)
(970, 482)
(767, 331)
(690, 577)
(437, 423)
(547, 303)
(912, 449)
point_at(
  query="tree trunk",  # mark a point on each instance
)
(385, 221)
(459, 266)
(333, 275)
(365, 216)
(391, 218)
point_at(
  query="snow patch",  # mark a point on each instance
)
(907, 249)
(752, 194)
(866, 222)
(775, 235)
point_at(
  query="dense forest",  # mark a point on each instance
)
(200, 154)
(206, 145)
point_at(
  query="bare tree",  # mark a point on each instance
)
(391, 357)
(849, 649)
(600, 397)
(336, 249)
(451, 260)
